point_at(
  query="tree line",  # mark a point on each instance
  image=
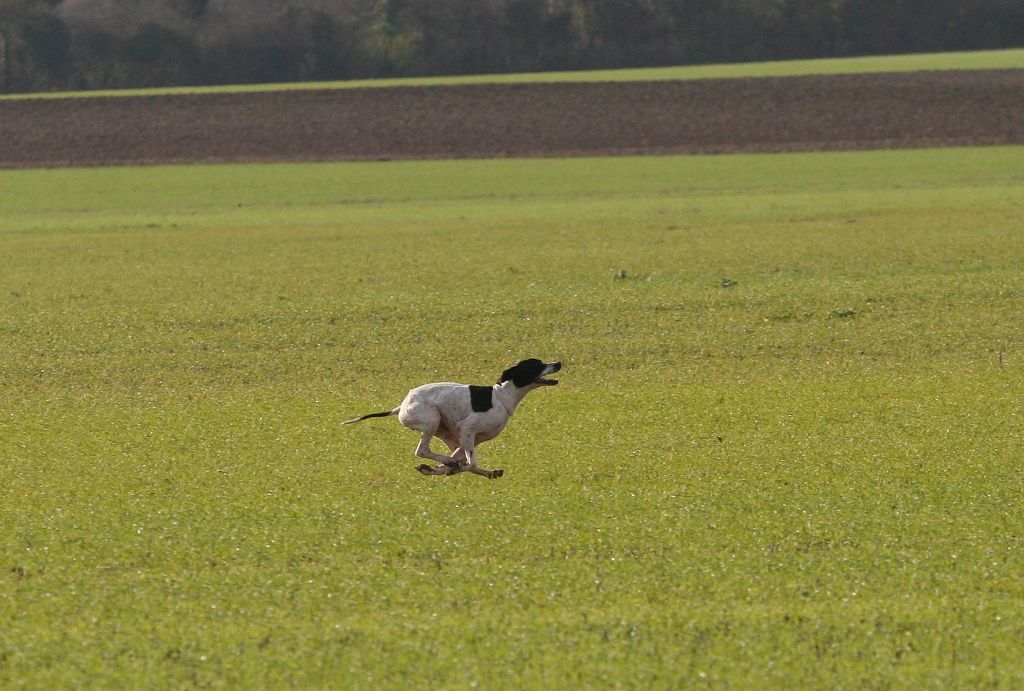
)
(94, 44)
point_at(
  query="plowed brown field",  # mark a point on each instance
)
(868, 111)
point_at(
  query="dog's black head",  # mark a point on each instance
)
(531, 371)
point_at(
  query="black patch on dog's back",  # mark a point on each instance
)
(480, 397)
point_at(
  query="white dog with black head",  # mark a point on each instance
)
(464, 416)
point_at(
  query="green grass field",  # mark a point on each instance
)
(977, 60)
(786, 450)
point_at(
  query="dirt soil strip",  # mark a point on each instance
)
(869, 111)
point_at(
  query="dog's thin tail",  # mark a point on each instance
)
(386, 413)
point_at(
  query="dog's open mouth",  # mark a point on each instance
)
(548, 369)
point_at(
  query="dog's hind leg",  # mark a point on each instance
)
(427, 421)
(449, 466)
(452, 442)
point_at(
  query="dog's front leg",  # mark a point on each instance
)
(469, 448)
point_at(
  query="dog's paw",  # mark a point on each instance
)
(496, 473)
(425, 469)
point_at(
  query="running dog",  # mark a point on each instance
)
(464, 416)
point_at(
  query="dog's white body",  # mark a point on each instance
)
(448, 411)
(444, 410)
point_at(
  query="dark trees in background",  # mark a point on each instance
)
(35, 46)
(150, 55)
(536, 36)
(300, 44)
(91, 44)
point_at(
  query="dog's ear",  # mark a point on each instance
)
(506, 375)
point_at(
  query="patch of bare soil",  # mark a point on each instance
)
(907, 110)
